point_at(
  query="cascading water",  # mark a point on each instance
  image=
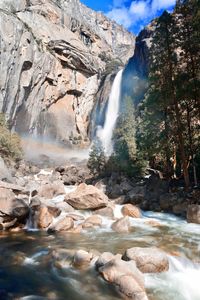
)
(105, 133)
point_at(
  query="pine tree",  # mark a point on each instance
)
(97, 159)
(126, 158)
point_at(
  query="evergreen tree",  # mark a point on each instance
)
(97, 159)
(164, 109)
(126, 158)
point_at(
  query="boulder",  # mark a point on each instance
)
(17, 189)
(11, 207)
(166, 201)
(64, 224)
(86, 197)
(180, 209)
(129, 287)
(103, 259)
(136, 195)
(131, 211)
(148, 260)
(64, 206)
(95, 220)
(116, 268)
(121, 225)
(193, 214)
(105, 212)
(45, 218)
(82, 258)
(5, 174)
(51, 190)
(76, 217)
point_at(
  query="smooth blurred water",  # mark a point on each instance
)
(28, 269)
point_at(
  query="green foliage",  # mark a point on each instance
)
(126, 158)
(97, 160)
(10, 147)
(168, 127)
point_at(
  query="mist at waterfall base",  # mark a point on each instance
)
(42, 150)
(105, 132)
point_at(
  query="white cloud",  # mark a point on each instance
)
(121, 16)
(162, 4)
(137, 11)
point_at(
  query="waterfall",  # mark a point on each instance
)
(105, 133)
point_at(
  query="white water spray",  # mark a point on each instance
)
(105, 134)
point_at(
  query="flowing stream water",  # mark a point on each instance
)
(29, 271)
(105, 133)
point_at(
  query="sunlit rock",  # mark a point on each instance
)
(86, 197)
(121, 225)
(131, 211)
(148, 260)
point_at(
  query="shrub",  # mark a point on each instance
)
(10, 143)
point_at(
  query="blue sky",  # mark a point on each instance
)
(132, 14)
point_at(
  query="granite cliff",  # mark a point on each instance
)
(53, 55)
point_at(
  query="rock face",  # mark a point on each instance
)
(135, 75)
(87, 197)
(148, 260)
(52, 59)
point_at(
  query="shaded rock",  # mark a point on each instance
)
(64, 224)
(180, 209)
(95, 220)
(11, 207)
(121, 225)
(136, 195)
(87, 197)
(129, 287)
(82, 258)
(167, 200)
(103, 259)
(51, 190)
(193, 214)
(148, 260)
(131, 211)
(155, 187)
(5, 174)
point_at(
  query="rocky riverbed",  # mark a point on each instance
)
(87, 241)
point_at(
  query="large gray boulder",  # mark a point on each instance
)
(87, 197)
(148, 260)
